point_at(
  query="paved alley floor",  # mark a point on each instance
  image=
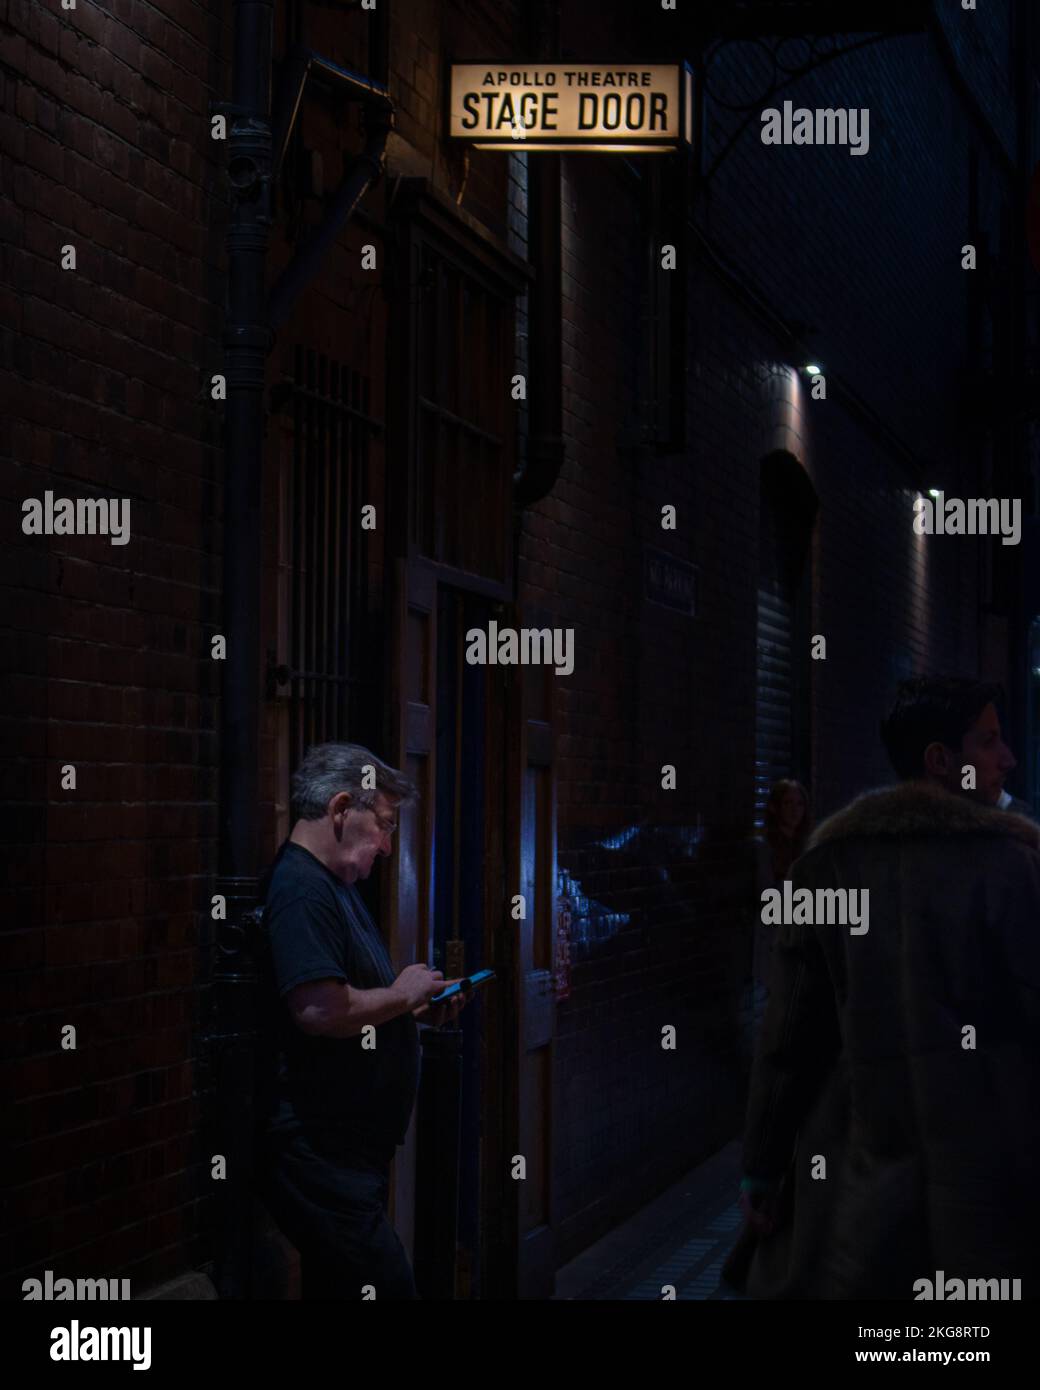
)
(680, 1238)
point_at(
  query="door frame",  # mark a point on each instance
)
(422, 216)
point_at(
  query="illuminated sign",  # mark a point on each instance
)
(572, 106)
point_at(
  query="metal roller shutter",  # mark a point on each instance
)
(773, 705)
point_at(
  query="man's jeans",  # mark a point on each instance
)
(333, 1209)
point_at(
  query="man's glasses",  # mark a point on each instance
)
(387, 827)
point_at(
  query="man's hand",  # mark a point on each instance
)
(437, 1015)
(759, 1201)
(417, 984)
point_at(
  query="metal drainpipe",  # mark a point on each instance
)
(248, 337)
(247, 341)
(545, 446)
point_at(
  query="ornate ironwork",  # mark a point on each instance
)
(787, 60)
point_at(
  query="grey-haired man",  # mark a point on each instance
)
(343, 1050)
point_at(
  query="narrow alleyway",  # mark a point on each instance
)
(681, 1238)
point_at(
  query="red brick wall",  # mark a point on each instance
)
(105, 140)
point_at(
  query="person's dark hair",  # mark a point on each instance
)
(932, 709)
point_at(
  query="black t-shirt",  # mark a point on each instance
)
(344, 1097)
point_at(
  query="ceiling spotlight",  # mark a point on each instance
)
(813, 369)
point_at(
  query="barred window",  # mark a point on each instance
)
(465, 427)
(323, 585)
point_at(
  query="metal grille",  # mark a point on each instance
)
(774, 750)
(461, 426)
(332, 429)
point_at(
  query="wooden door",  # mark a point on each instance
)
(533, 795)
(410, 895)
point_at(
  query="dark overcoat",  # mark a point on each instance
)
(907, 1057)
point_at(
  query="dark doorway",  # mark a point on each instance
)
(783, 735)
(452, 1080)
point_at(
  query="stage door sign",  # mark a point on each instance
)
(572, 106)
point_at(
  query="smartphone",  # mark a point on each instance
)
(471, 982)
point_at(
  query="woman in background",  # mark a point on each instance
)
(788, 823)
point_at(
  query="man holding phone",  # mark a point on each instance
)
(342, 1058)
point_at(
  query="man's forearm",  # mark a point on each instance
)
(354, 1009)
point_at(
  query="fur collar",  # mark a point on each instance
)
(921, 808)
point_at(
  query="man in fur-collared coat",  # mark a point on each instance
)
(906, 1057)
